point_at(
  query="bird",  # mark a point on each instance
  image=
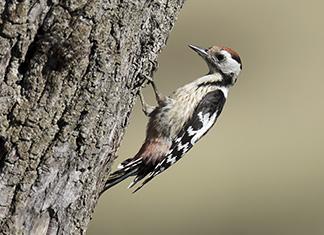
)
(179, 120)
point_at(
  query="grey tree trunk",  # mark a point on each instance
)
(69, 74)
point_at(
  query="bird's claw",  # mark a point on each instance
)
(148, 78)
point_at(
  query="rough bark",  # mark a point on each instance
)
(69, 74)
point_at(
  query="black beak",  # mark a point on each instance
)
(201, 51)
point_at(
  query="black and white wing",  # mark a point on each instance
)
(203, 118)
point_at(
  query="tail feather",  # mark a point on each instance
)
(126, 169)
(148, 179)
(138, 178)
(120, 176)
(128, 163)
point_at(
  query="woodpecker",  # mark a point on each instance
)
(181, 119)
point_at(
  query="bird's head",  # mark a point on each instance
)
(222, 60)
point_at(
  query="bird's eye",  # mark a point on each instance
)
(220, 57)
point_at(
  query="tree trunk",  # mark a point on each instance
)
(69, 74)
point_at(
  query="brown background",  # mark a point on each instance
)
(260, 170)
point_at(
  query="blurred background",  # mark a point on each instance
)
(260, 170)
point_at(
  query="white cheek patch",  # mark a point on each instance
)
(230, 65)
